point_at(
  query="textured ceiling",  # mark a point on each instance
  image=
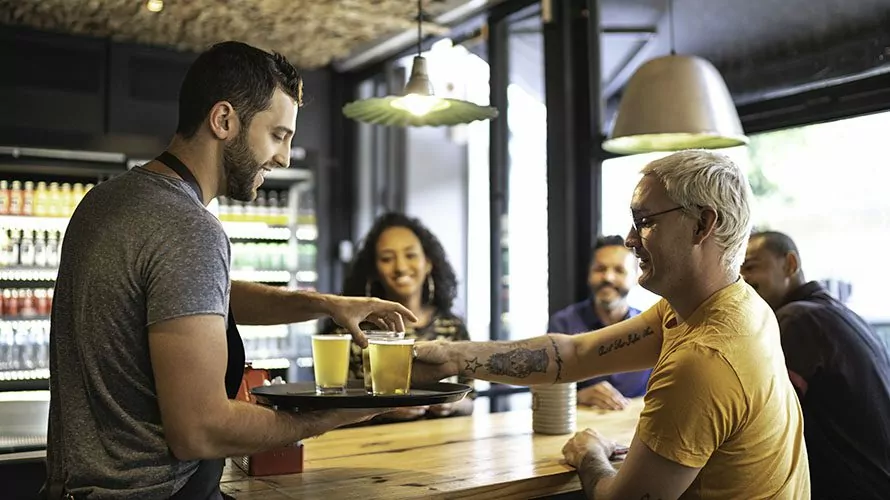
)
(310, 33)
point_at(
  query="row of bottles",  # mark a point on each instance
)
(24, 346)
(264, 256)
(45, 200)
(256, 348)
(273, 256)
(30, 248)
(270, 207)
(307, 254)
(25, 303)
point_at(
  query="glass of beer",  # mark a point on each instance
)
(330, 358)
(366, 353)
(391, 362)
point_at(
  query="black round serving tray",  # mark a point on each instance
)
(302, 396)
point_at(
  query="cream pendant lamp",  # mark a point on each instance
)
(673, 103)
(418, 105)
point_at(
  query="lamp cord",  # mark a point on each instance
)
(419, 24)
(671, 20)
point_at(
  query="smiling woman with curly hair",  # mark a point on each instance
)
(401, 260)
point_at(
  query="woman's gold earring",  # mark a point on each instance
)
(368, 288)
(431, 288)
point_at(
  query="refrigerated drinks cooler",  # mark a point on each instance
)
(273, 241)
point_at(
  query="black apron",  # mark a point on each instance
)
(204, 483)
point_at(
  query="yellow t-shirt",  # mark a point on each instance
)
(719, 398)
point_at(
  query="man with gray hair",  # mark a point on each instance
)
(721, 419)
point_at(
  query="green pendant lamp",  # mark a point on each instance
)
(673, 103)
(418, 105)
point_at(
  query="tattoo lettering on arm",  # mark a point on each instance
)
(519, 363)
(621, 343)
(472, 365)
(558, 360)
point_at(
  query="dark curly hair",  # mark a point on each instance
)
(363, 269)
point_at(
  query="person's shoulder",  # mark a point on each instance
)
(569, 311)
(448, 325)
(697, 357)
(447, 319)
(801, 308)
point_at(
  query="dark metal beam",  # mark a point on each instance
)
(498, 61)
(869, 95)
(572, 73)
(848, 58)
(334, 184)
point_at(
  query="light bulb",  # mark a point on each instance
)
(154, 5)
(419, 105)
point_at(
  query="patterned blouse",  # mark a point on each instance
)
(444, 326)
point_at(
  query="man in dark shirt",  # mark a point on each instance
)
(610, 275)
(840, 369)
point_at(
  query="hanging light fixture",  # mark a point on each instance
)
(418, 105)
(673, 103)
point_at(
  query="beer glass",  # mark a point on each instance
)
(366, 353)
(330, 359)
(391, 362)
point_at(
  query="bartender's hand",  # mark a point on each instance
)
(349, 312)
(356, 415)
(406, 413)
(588, 443)
(433, 362)
(603, 395)
(442, 410)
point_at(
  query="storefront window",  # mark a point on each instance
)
(821, 185)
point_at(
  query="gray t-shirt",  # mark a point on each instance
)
(139, 249)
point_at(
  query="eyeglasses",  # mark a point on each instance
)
(644, 221)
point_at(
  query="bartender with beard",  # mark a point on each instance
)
(611, 272)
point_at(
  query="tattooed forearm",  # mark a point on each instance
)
(617, 344)
(558, 359)
(472, 365)
(519, 363)
(591, 471)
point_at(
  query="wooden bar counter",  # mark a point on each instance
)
(481, 456)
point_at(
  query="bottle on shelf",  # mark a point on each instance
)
(41, 200)
(11, 303)
(40, 248)
(53, 248)
(16, 198)
(67, 203)
(4, 197)
(28, 199)
(261, 207)
(5, 248)
(224, 208)
(54, 208)
(26, 249)
(273, 207)
(77, 192)
(14, 246)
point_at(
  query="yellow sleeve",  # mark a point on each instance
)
(654, 316)
(694, 403)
